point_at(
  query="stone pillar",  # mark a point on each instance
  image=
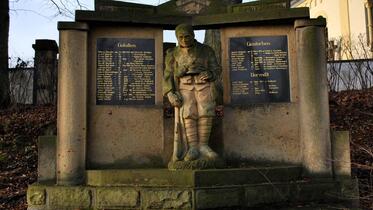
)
(369, 7)
(45, 74)
(313, 97)
(72, 103)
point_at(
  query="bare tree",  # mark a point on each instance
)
(66, 7)
(356, 72)
(4, 37)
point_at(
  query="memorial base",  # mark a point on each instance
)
(249, 188)
(197, 164)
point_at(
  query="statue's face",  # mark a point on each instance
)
(185, 39)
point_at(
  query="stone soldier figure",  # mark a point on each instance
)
(190, 70)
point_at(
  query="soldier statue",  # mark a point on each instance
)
(190, 71)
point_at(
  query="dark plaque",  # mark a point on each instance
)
(259, 69)
(125, 71)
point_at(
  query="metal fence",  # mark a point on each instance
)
(350, 74)
(21, 81)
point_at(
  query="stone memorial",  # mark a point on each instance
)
(118, 147)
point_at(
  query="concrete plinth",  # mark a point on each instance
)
(72, 104)
(313, 97)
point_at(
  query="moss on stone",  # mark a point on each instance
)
(72, 196)
(36, 195)
(196, 164)
(167, 199)
(116, 196)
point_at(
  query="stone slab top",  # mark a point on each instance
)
(170, 14)
(45, 44)
(193, 178)
(320, 22)
(66, 25)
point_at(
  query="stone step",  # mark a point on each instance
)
(193, 178)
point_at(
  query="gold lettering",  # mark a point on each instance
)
(126, 45)
(266, 74)
(255, 44)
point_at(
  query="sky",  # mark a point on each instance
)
(37, 19)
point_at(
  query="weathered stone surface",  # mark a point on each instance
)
(320, 191)
(190, 178)
(196, 164)
(255, 195)
(37, 208)
(72, 104)
(116, 197)
(314, 123)
(79, 197)
(167, 199)
(341, 154)
(36, 195)
(199, 21)
(215, 198)
(140, 177)
(265, 133)
(45, 63)
(349, 192)
(243, 176)
(265, 194)
(47, 159)
(306, 192)
(125, 136)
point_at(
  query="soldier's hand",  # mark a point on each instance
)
(205, 76)
(175, 99)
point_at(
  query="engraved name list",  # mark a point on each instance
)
(125, 71)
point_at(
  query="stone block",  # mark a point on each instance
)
(166, 199)
(306, 192)
(62, 197)
(349, 192)
(47, 159)
(116, 197)
(215, 198)
(266, 194)
(341, 154)
(36, 195)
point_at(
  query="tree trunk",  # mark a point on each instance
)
(4, 36)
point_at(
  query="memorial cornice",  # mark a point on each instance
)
(198, 21)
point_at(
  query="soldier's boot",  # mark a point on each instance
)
(204, 130)
(192, 138)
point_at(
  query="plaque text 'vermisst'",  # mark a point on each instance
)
(259, 69)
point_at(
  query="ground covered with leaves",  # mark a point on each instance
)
(353, 111)
(20, 127)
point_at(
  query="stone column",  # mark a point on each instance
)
(313, 97)
(45, 74)
(368, 7)
(72, 103)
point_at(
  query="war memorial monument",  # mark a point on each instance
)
(118, 147)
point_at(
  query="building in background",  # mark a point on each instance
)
(349, 22)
